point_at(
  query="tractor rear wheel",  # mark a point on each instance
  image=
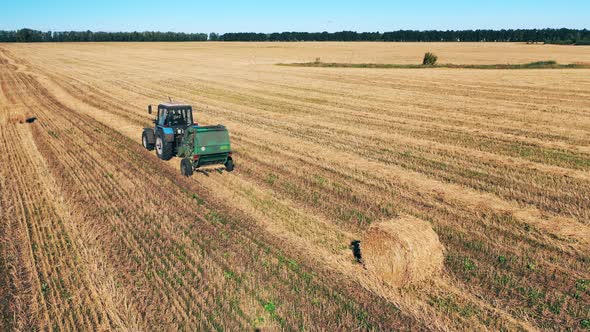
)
(163, 148)
(186, 168)
(146, 143)
(229, 165)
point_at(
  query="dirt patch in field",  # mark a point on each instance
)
(403, 251)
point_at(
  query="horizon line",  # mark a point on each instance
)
(294, 31)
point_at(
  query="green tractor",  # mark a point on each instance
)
(175, 134)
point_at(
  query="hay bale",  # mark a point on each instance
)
(402, 251)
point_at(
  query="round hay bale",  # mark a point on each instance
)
(402, 251)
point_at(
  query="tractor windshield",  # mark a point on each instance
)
(179, 117)
(214, 137)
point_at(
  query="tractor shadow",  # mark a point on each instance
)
(207, 171)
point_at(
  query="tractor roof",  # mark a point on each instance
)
(174, 105)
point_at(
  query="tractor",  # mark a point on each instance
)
(175, 134)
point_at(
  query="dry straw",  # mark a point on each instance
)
(402, 251)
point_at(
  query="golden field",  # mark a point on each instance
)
(96, 233)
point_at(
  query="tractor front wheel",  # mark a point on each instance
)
(146, 143)
(186, 168)
(163, 148)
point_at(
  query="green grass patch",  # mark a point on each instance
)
(583, 285)
(547, 64)
(215, 217)
(468, 265)
(353, 215)
(449, 305)
(551, 156)
(270, 307)
(271, 178)
(199, 200)
(320, 180)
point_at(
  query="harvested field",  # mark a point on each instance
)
(96, 233)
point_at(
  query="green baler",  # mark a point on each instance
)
(203, 146)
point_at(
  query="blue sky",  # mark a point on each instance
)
(301, 15)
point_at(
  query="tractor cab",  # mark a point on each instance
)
(176, 116)
(171, 122)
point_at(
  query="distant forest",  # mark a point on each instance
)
(553, 36)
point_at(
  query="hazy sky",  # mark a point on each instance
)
(301, 15)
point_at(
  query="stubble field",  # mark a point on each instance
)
(96, 233)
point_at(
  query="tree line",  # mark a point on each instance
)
(31, 36)
(554, 36)
(558, 36)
